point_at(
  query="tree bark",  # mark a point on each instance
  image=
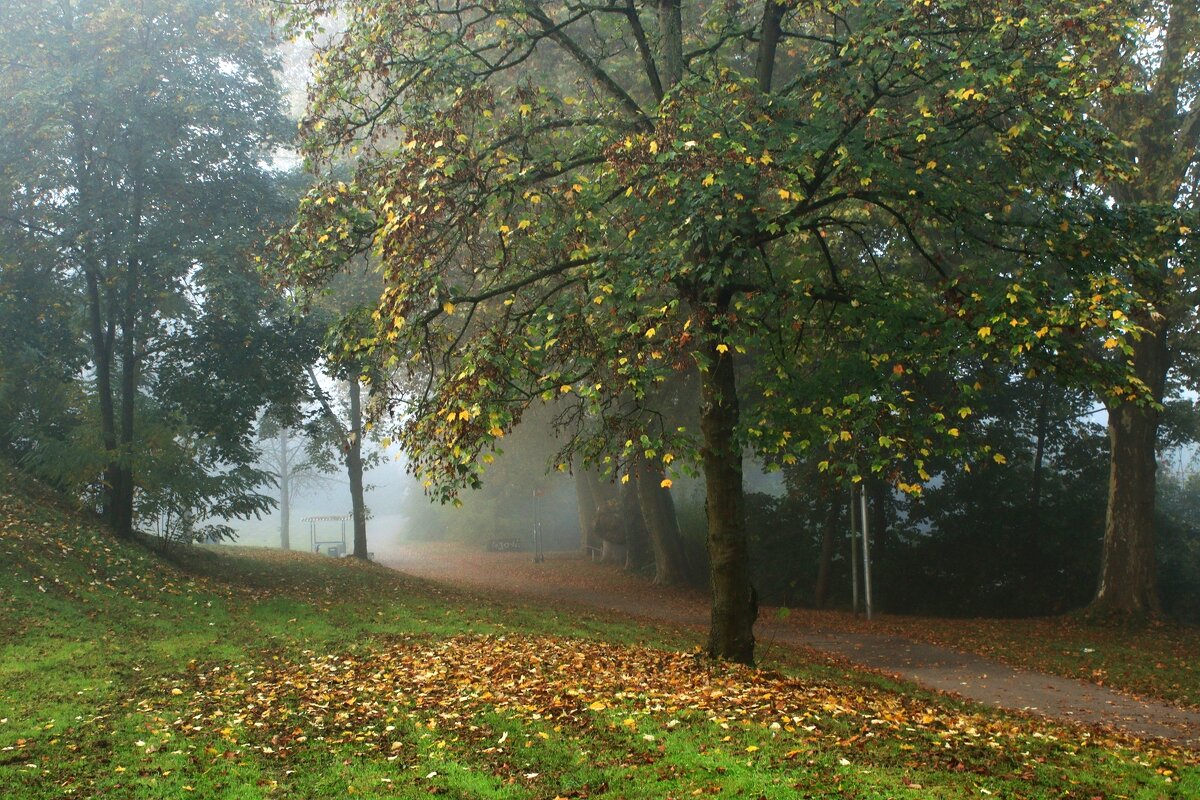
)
(731, 635)
(829, 536)
(1128, 572)
(354, 469)
(658, 511)
(670, 26)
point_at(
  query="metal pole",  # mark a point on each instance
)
(866, 549)
(853, 553)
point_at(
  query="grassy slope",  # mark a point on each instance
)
(262, 674)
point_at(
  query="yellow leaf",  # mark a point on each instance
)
(709, 179)
(722, 348)
(665, 484)
(985, 332)
(448, 307)
(999, 459)
(597, 706)
(1110, 343)
(650, 333)
(653, 147)
(566, 387)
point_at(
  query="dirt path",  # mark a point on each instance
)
(568, 579)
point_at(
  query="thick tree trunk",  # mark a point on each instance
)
(354, 469)
(829, 537)
(658, 511)
(1128, 574)
(285, 491)
(731, 636)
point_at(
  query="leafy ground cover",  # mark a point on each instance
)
(1160, 660)
(245, 674)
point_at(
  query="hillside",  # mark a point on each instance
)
(230, 672)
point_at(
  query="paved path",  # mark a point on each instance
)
(565, 580)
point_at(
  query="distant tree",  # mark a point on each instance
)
(288, 455)
(585, 200)
(132, 167)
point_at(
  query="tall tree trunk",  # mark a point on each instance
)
(586, 503)
(285, 490)
(1128, 574)
(731, 635)
(637, 538)
(670, 25)
(829, 538)
(354, 469)
(1039, 457)
(131, 297)
(658, 511)
(608, 514)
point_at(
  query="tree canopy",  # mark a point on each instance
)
(133, 171)
(569, 200)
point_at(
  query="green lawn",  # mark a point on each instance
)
(246, 673)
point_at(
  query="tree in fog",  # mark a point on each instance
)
(1158, 115)
(134, 137)
(574, 201)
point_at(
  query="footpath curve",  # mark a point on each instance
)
(567, 579)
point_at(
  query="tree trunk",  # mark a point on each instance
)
(586, 502)
(829, 537)
(354, 469)
(637, 539)
(606, 526)
(285, 491)
(658, 511)
(731, 636)
(670, 24)
(1128, 574)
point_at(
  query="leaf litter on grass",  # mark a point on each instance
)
(366, 700)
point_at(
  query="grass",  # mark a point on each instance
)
(245, 673)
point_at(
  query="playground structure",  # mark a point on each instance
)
(330, 543)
